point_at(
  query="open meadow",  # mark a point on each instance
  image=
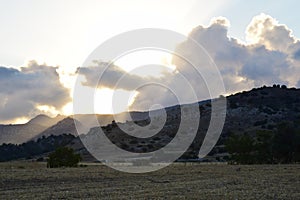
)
(26, 180)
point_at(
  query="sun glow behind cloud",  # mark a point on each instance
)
(77, 28)
(67, 37)
(152, 62)
(102, 100)
(142, 63)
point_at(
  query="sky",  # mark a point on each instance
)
(45, 43)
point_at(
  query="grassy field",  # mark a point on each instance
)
(21, 180)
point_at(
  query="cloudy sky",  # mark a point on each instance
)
(45, 43)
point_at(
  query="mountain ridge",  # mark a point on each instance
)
(264, 101)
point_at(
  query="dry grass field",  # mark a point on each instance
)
(21, 180)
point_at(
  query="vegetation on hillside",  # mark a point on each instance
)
(279, 146)
(34, 148)
(63, 157)
(255, 117)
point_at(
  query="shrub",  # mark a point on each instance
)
(63, 157)
(283, 87)
(240, 148)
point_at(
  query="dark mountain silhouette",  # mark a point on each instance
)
(261, 109)
(43, 125)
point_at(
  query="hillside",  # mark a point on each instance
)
(19, 133)
(43, 125)
(260, 109)
(65, 126)
(46, 121)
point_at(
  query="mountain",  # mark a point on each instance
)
(91, 120)
(43, 125)
(248, 112)
(65, 126)
(85, 122)
(19, 133)
(44, 120)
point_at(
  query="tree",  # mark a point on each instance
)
(283, 87)
(286, 143)
(264, 147)
(63, 157)
(240, 148)
(279, 146)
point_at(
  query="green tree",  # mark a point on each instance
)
(63, 157)
(286, 143)
(241, 148)
(279, 146)
(264, 147)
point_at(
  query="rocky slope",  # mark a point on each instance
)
(247, 112)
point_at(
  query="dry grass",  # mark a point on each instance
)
(192, 181)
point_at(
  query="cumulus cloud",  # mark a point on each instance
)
(297, 54)
(270, 55)
(22, 91)
(267, 31)
(264, 66)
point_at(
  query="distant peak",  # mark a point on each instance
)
(45, 120)
(38, 117)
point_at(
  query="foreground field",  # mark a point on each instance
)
(191, 181)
